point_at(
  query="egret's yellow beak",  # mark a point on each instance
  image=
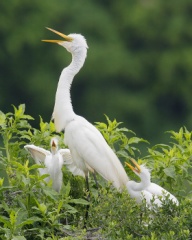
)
(136, 168)
(67, 38)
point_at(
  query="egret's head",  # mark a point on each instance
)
(139, 170)
(72, 42)
(54, 145)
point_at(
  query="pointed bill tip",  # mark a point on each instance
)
(52, 41)
(66, 38)
(130, 166)
(136, 168)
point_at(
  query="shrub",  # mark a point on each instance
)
(31, 209)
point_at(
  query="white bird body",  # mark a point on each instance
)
(88, 148)
(53, 162)
(146, 189)
(157, 190)
(92, 152)
(136, 191)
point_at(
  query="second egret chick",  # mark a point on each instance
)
(53, 161)
(145, 189)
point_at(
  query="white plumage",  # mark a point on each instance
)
(146, 189)
(89, 150)
(53, 161)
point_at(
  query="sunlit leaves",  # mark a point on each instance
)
(117, 138)
(2, 119)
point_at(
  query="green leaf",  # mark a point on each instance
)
(26, 137)
(50, 193)
(2, 118)
(79, 201)
(66, 190)
(30, 220)
(70, 209)
(134, 140)
(43, 125)
(24, 116)
(123, 153)
(4, 175)
(13, 217)
(170, 171)
(6, 221)
(43, 176)
(18, 238)
(36, 166)
(125, 130)
(101, 125)
(20, 111)
(42, 207)
(52, 126)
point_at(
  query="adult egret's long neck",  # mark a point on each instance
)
(63, 110)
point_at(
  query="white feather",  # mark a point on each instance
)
(147, 190)
(88, 148)
(53, 162)
(69, 163)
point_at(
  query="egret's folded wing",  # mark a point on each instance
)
(159, 191)
(38, 154)
(68, 161)
(91, 148)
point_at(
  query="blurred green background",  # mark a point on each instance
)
(138, 69)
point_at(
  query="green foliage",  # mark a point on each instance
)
(117, 216)
(172, 163)
(31, 209)
(117, 139)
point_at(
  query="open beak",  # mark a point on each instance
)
(66, 38)
(136, 168)
(53, 145)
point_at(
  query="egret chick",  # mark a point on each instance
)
(146, 189)
(53, 161)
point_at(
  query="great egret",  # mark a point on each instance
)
(53, 162)
(146, 189)
(88, 148)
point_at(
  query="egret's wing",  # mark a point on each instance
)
(38, 154)
(150, 198)
(66, 156)
(159, 191)
(68, 161)
(88, 145)
(155, 189)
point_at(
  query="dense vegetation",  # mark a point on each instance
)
(138, 69)
(31, 210)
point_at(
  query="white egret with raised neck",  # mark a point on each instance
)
(88, 148)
